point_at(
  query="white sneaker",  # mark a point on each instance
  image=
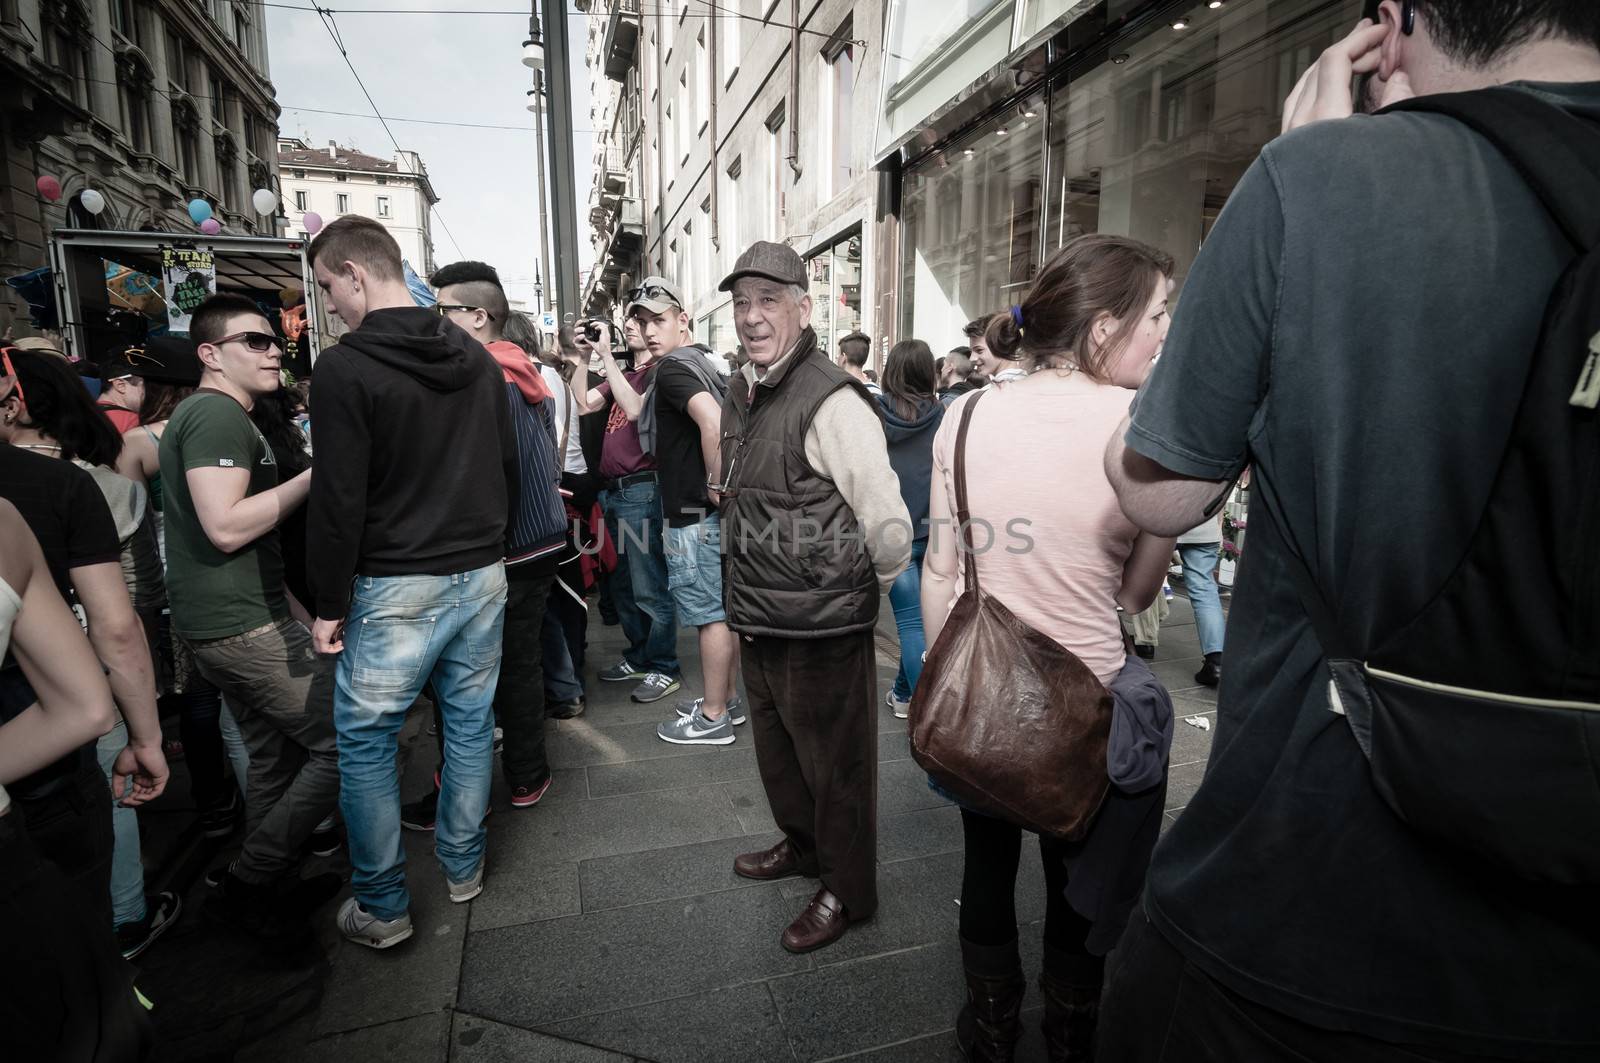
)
(696, 730)
(364, 928)
(736, 714)
(462, 892)
(901, 709)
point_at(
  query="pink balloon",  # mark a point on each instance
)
(312, 222)
(211, 226)
(49, 187)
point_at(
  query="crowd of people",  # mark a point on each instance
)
(1329, 893)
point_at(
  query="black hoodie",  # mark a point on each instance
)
(415, 456)
(911, 455)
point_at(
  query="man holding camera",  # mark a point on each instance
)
(632, 504)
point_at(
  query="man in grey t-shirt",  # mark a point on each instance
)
(1360, 321)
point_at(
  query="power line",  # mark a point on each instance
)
(421, 121)
(333, 32)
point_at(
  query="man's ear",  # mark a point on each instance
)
(1389, 51)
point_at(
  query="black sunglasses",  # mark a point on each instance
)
(654, 291)
(257, 342)
(445, 308)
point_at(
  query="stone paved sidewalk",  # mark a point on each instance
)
(612, 927)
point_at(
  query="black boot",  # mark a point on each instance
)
(1070, 985)
(1210, 673)
(990, 1024)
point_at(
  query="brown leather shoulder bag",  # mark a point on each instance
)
(1007, 720)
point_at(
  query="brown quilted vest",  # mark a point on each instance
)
(795, 563)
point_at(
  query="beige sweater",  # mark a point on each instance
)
(845, 444)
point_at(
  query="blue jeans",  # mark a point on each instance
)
(906, 599)
(127, 864)
(400, 631)
(1199, 579)
(639, 587)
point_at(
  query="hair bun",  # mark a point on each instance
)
(1004, 334)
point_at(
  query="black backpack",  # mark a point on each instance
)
(1480, 716)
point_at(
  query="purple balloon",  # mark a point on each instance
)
(312, 222)
(211, 226)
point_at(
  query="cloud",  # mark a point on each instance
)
(447, 67)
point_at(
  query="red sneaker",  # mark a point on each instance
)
(526, 797)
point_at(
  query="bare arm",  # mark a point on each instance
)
(118, 639)
(939, 563)
(138, 460)
(230, 519)
(74, 706)
(1144, 572)
(707, 415)
(1155, 498)
(631, 401)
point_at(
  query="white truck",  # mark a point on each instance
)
(105, 282)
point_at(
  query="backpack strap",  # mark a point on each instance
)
(1555, 151)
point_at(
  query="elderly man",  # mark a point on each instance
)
(814, 528)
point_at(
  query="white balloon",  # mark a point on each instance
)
(265, 201)
(92, 201)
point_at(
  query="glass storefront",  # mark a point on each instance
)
(835, 275)
(715, 330)
(1148, 144)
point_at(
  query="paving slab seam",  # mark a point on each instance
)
(950, 1030)
(767, 985)
(544, 1031)
(344, 1030)
(700, 990)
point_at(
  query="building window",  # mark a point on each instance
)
(839, 85)
(299, 175)
(728, 215)
(835, 276)
(136, 116)
(688, 119)
(177, 62)
(671, 169)
(728, 43)
(383, 206)
(341, 177)
(702, 84)
(123, 19)
(300, 202)
(241, 32)
(774, 175)
(687, 264)
(342, 203)
(382, 180)
(219, 112)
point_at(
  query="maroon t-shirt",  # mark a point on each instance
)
(621, 454)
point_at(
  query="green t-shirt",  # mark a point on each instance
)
(214, 595)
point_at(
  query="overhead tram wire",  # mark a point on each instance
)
(726, 13)
(333, 32)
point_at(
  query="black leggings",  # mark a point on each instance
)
(989, 889)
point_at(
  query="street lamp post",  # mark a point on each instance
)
(561, 282)
(536, 105)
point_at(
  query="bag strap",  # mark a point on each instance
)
(1554, 150)
(963, 515)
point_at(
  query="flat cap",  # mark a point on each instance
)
(775, 262)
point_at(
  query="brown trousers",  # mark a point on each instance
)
(812, 711)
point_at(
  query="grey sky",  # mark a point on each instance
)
(443, 67)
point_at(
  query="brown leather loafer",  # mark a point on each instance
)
(780, 861)
(822, 923)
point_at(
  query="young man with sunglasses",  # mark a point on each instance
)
(225, 582)
(417, 472)
(633, 507)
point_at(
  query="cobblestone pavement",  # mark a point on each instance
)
(612, 927)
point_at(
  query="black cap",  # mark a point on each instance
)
(164, 359)
(775, 262)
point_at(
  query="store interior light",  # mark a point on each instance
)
(1214, 4)
(1120, 58)
(966, 151)
(1181, 24)
(1029, 114)
(1002, 131)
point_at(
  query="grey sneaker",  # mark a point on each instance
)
(654, 687)
(621, 672)
(462, 892)
(364, 928)
(901, 709)
(695, 730)
(735, 709)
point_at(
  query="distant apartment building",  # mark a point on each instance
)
(333, 181)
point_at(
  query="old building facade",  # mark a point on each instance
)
(152, 103)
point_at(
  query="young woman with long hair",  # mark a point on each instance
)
(1064, 558)
(912, 414)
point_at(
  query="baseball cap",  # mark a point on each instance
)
(775, 262)
(655, 294)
